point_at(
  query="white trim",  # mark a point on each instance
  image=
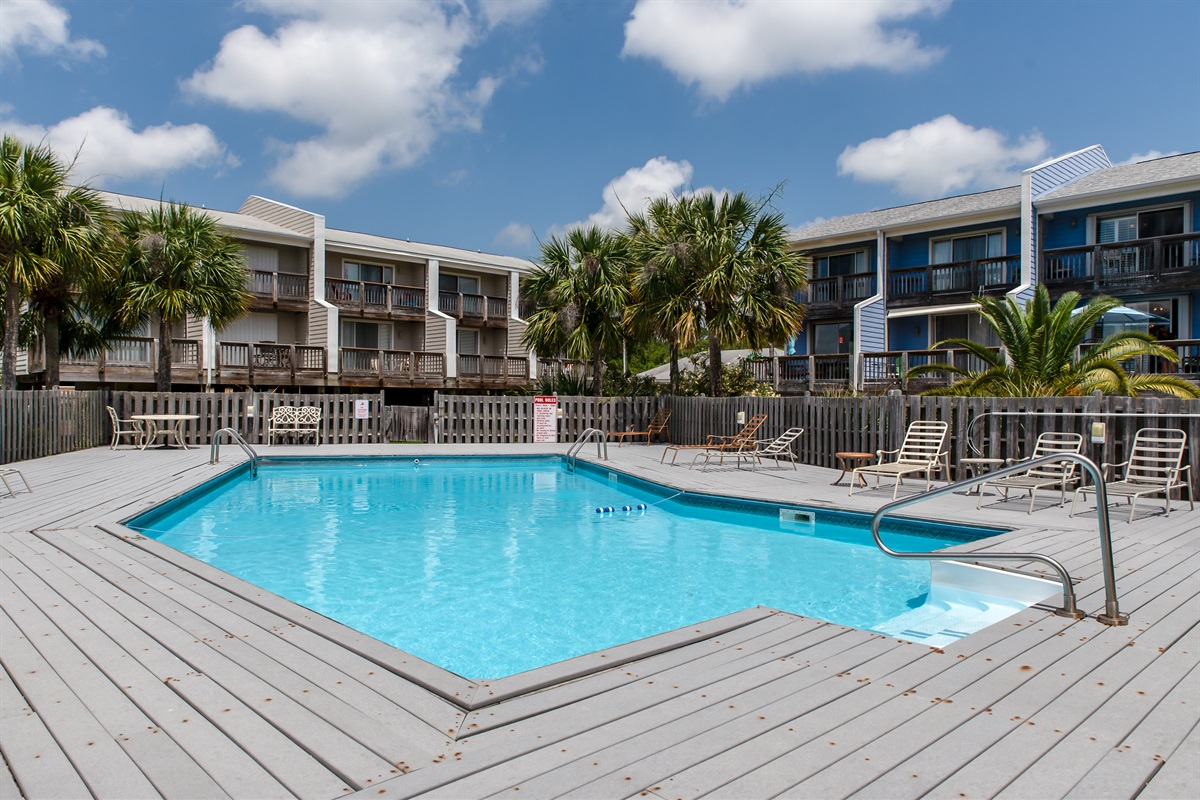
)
(932, 310)
(1131, 194)
(1003, 231)
(1091, 219)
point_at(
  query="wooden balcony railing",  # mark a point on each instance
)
(984, 276)
(396, 364)
(553, 367)
(492, 311)
(404, 301)
(141, 351)
(839, 291)
(493, 368)
(264, 358)
(1161, 261)
(279, 286)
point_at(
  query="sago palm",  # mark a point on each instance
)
(579, 290)
(53, 237)
(1042, 358)
(177, 263)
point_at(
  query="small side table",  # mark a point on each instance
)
(851, 461)
(978, 466)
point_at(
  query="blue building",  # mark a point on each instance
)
(903, 279)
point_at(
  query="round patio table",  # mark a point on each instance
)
(849, 461)
(174, 427)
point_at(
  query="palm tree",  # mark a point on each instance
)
(178, 264)
(1040, 343)
(53, 237)
(738, 275)
(579, 291)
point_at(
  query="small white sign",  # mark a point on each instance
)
(545, 419)
(362, 409)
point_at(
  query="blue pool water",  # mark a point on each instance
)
(488, 567)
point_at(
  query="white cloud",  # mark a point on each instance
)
(1149, 155)
(722, 45)
(110, 149)
(941, 156)
(514, 12)
(379, 79)
(515, 235)
(40, 26)
(634, 190)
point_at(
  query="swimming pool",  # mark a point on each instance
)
(492, 566)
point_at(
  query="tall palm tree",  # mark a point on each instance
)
(579, 290)
(1040, 343)
(660, 261)
(52, 237)
(739, 275)
(178, 264)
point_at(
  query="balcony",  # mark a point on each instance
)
(279, 289)
(960, 280)
(841, 291)
(502, 370)
(377, 299)
(475, 310)
(1162, 263)
(258, 363)
(393, 367)
(135, 359)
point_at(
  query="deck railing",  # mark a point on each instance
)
(982, 276)
(474, 307)
(493, 368)
(841, 290)
(412, 365)
(269, 359)
(1154, 261)
(405, 301)
(277, 286)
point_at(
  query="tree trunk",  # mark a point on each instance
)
(12, 323)
(162, 382)
(715, 366)
(597, 373)
(674, 367)
(53, 346)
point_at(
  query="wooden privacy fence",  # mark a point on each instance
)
(249, 413)
(463, 419)
(45, 422)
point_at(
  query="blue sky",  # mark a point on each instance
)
(485, 124)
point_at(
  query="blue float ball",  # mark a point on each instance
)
(641, 506)
(626, 508)
(599, 510)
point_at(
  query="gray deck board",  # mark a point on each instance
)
(124, 631)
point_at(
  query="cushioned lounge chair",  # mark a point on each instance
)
(1046, 476)
(743, 439)
(1154, 467)
(922, 451)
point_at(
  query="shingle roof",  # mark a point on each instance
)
(229, 220)
(1170, 169)
(1008, 198)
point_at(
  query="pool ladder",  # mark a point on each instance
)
(601, 446)
(214, 454)
(1112, 614)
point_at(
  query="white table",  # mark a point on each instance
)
(173, 427)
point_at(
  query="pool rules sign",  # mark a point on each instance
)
(545, 419)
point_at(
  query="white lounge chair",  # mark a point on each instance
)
(1154, 467)
(754, 451)
(136, 428)
(922, 451)
(1045, 476)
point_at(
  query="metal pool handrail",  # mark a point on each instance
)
(214, 453)
(1112, 614)
(601, 445)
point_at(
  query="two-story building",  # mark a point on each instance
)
(902, 279)
(336, 310)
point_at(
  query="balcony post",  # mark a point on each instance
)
(812, 374)
(292, 361)
(1097, 266)
(1156, 256)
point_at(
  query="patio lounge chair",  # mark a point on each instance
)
(658, 425)
(1154, 467)
(778, 448)
(922, 451)
(136, 428)
(1046, 476)
(742, 440)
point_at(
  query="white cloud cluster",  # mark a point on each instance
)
(40, 26)
(722, 45)
(378, 79)
(514, 235)
(1149, 155)
(942, 156)
(106, 147)
(511, 12)
(633, 191)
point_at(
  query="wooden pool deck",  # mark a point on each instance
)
(132, 671)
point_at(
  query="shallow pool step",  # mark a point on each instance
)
(940, 622)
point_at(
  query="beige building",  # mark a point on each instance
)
(336, 310)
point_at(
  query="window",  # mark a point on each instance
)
(371, 273)
(463, 284)
(841, 264)
(1139, 225)
(833, 337)
(964, 326)
(968, 248)
(369, 335)
(468, 343)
